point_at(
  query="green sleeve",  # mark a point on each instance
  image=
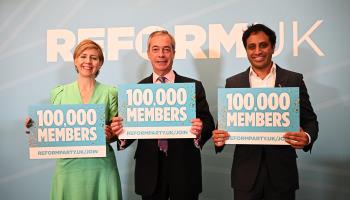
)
(56, 95)
(113, 103)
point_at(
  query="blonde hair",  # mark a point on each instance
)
(88, 44)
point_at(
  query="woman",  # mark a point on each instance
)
(87, 178)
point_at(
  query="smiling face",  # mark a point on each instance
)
(259, 51)
(161, 53)
(88, 63)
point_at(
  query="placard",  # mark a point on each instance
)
(152, 111)
(258, 115)
(67, 131)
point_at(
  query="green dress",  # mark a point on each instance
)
(87, 178)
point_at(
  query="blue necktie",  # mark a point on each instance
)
(162, 143)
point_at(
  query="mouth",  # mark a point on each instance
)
(87, 67)
(259, 58)
(162, 62)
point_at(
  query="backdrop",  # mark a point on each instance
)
(38, 37)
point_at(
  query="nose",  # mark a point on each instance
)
(257, 50)
(161, 53)
(88, 59)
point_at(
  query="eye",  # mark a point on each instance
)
(264, 45)
(251, 47)
(167, 50)
(155, 49)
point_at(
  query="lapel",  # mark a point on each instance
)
(178, 78)
(281, 77)
(245, 81)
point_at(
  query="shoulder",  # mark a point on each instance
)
(60, 88)
(184, 79)
(239, 80)
(57, 92)
(187, 79)
(286, 71)
(148, 79)
(238, 76)
(198, 84)
(288, 74)
(57, 89)
(111, 90)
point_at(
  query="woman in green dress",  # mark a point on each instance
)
(87, 178)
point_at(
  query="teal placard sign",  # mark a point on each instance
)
(157, 110)
(67, 131)
(258, 115)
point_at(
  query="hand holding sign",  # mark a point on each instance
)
(197, 126)
(219, 137)
(297, 140)
(117, 125)
(110, 136)
(28, 123)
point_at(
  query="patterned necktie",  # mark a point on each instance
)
(163, 143)
(162, 79)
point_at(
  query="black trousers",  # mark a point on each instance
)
(263, 189)
(163, 190)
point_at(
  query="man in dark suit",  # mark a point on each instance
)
(268, 171)
(175, 172)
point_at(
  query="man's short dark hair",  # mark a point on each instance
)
(255, 28)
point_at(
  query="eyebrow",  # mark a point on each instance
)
(263, 42)
(93, 55)
(160, 46)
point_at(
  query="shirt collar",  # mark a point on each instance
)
(170, 76)
(271, 73)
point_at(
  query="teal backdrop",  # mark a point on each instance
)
(38, 36)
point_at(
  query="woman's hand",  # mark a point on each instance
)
(110, 137)
(28, 123)
(117, 125)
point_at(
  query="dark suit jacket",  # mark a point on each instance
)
(183, 156)
(280, 159)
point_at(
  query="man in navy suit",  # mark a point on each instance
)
(268, 172)
(176, 172)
